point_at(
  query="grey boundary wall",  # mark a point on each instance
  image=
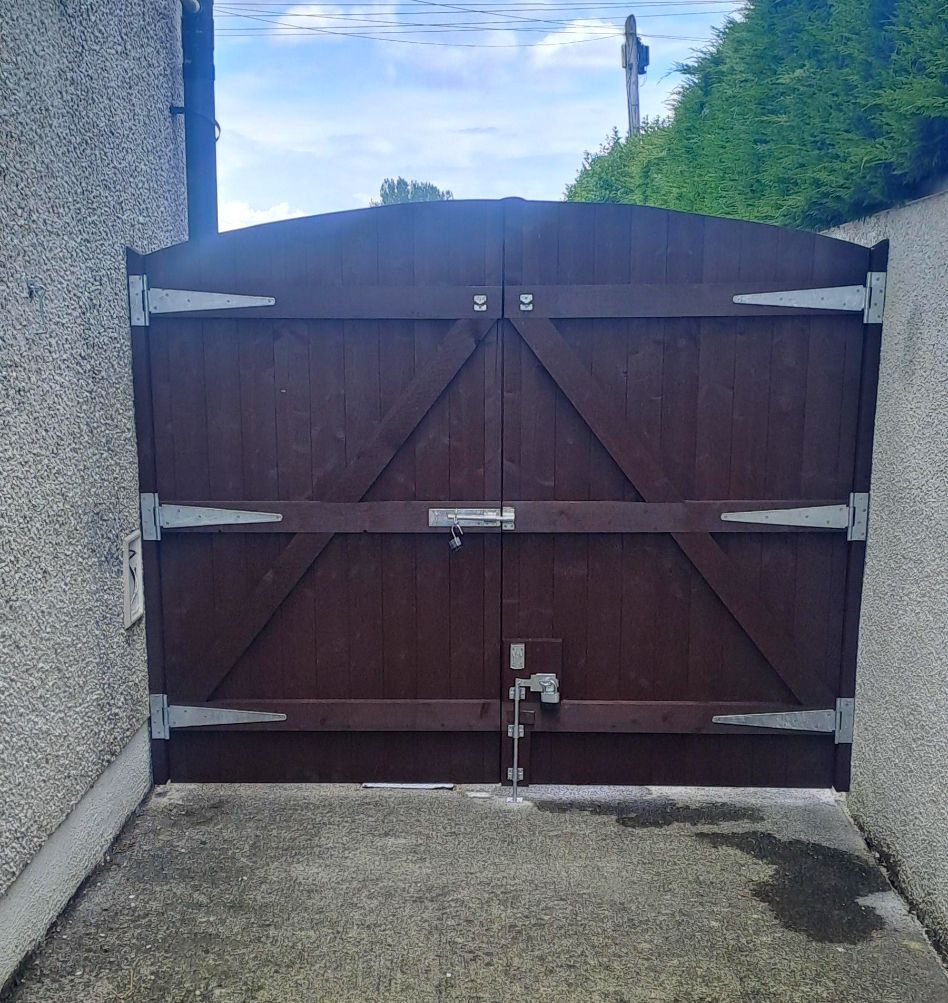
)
(900, 752)
(91, 161)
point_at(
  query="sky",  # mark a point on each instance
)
(319, 102)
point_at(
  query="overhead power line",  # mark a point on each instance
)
(382, 30)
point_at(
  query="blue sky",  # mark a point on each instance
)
(314, 117)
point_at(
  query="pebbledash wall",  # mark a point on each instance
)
(90, 161)
(900, 749)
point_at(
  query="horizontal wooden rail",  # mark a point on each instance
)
(653, 717)
(368, 715)
(577, 716)
(370, 302)
(706, 299)
(530, 516)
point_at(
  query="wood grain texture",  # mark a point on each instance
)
(620, 417)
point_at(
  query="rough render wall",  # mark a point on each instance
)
(90, 161)
(900, 769)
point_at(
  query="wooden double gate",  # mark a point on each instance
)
(584, 367)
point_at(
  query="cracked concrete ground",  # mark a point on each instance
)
(334, 893)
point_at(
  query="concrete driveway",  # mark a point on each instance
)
(302, 893)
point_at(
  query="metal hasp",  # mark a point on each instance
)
(165, 716)
(852, 517)
(156, 517)
(545, 683)
(838, 722)
(468, 518)
(869, 299)
(143, 301)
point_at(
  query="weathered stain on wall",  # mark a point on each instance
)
(90, 161)
(900, 751)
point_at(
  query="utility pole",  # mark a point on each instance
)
(635, 62)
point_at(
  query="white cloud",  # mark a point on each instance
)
(322, 23)
(236, 215)
(579, 45)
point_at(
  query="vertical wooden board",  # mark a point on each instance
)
(295, 620)
(225, 455)
(466, 566)
(785, 438)
(260, 471)
(364, 553)
(712, 628)
(492, 654)
(644, 362)
(163, 413)
(670, 595)
(333, 613)
(860, 375)
(222, 402)
(679, 403)
(185, 348)
(326, 580)
(293, 417)
(258, 410)
(397, 366)
(571, 550)
(822, 427)
(327, 368)
(786, 407)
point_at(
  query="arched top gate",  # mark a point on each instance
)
(649, 431)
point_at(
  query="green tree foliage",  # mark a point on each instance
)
(396, 190)
(803, 113)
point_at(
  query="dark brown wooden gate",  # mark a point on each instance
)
(585, 366)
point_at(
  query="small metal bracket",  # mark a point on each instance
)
(875, 298)
(151, 527)
(526, 302)
(868, 299)
(480, 303)
(156, 516)
(158, 705)
(138, 300)
(143, 301)
(510, 776)
(515, 731)
(837, 721)
(858, 525)
(165, 716)
(518, 656)
(467, 518)
(852, 517)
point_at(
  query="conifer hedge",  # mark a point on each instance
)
(803, 113)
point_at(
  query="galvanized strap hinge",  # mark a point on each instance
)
(143, 301)
(868, 299)
(156, 516)
(852, 517)
(165, 716)
(837, 720)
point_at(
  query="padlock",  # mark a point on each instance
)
(454, 543)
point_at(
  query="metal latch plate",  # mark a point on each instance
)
(472, 518)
